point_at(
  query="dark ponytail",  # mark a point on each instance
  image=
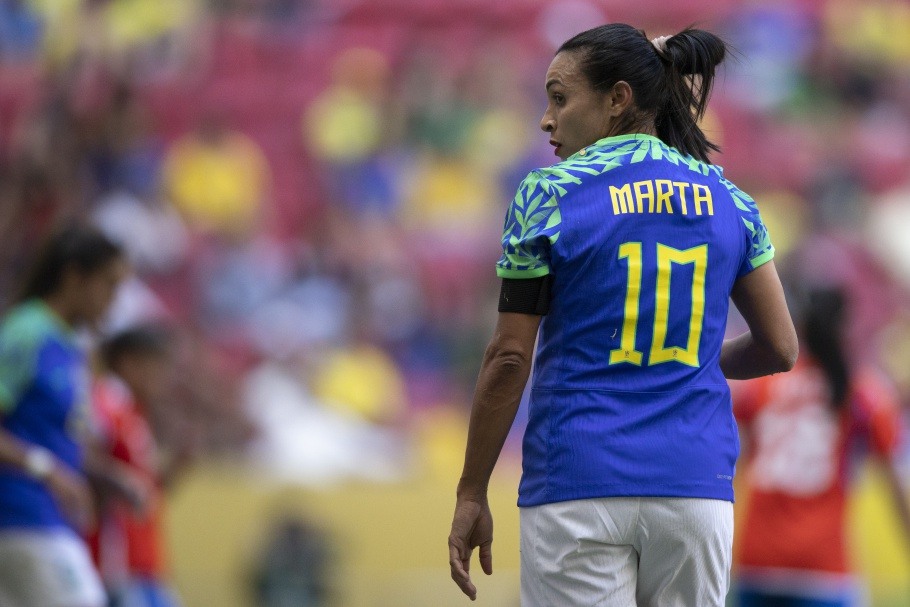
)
(691, 56)
(81, 247)
(671, 86)
(823, 324)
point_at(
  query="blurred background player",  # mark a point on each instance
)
(292, 568)
(44, 390)
(129, 546)
(801, 430)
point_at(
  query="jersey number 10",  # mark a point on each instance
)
(660, 353)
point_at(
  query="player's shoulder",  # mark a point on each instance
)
(613, 159)
(553, 181)
(617, 155)
(603, 156)
(741, 200)
(609, 155)
(28, 324)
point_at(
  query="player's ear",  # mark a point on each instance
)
(620, 98)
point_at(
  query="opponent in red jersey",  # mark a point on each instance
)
(129, 548)
(800, 430)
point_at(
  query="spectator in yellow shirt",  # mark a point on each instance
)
(217, 178)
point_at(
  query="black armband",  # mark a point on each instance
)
(526, 295)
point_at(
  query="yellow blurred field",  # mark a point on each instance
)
(391, 539)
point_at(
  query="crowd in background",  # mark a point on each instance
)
(311, 192)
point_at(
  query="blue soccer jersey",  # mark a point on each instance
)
(644, 245)
(43, 401)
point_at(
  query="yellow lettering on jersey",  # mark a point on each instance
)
(666, 258)
(622, 199)
(626, 352)
(659, 193)
(644, 190)
(664, 188)
(700, 194)
(681, 187)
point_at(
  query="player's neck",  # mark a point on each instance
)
(59, 305)
(633, 124)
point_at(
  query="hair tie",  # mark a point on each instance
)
(660, 45)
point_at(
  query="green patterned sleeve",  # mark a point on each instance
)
(18, 354)
(759, 248)
(531, 227)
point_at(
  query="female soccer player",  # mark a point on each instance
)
(801, 428)
(129, 548)
(44, 382)
(624, 255)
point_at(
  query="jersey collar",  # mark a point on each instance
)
(614, 141)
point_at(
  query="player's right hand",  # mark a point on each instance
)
(73, 496)
(472, 526)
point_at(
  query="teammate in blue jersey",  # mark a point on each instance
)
(623, 256)
(44, 408)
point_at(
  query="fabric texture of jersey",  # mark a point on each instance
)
(644, 245)
(44, 401)
(798, 467)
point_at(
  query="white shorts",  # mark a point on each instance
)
(47, 568)
(627, 551)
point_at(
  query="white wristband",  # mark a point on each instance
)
(39, 462)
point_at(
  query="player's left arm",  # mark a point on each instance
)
(770, 345)
(503, 374)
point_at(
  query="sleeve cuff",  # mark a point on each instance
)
(532, 273)
(762, 259)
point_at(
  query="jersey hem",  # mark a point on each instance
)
(625, 490)
(33, 525)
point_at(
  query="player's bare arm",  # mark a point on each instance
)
(503, 374)
(770, 345)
